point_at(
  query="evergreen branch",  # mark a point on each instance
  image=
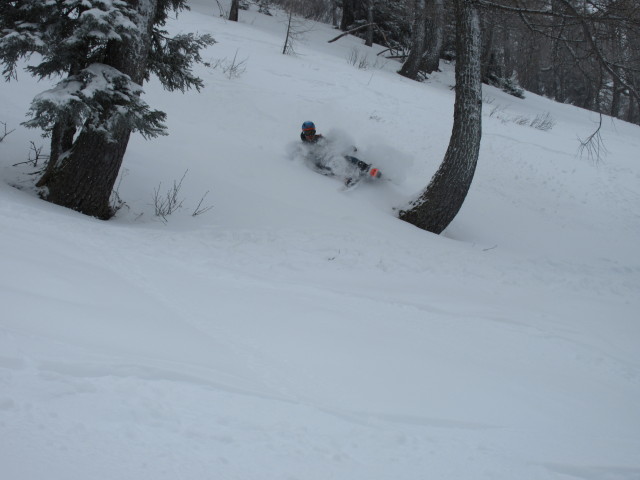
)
(97, 98)
(171, 59)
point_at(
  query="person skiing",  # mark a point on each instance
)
(358, 167)
(309, 134)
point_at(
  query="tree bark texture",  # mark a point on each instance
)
(411, 67)
(369, 39)
(334, 13)
(233, 10)
(86, 178)
(85, 175)
(426, 39)
(348, 14)
(61, 141)
(441, 201)
(434, 35)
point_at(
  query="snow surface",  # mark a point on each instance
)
(296, 331)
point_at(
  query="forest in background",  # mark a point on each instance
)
(580, 52)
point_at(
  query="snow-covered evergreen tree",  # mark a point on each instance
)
(103, 50)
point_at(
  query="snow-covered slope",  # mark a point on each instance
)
(296, 331)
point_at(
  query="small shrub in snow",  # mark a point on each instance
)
(231, 68)
(357, 60)
(168, 202)
(35, 155)
(542, 121)
(200, 209)
(361, 61)
(497, 110)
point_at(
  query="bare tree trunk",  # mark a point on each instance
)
(233, 11)
(615, 99)
(84, 177)
(369, 41)
(507, 44)
(631, 112)
(487, 56)
(426, 39)
(434, 35)
(411, 67)
(61, 141)
(287, 45)
(348, 14)
(334, 13)
(441, 201)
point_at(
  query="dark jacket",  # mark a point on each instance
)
(361, 166)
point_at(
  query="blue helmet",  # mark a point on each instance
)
(309, 127)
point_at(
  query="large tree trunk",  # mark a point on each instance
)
(426, 39)
(411, 67)
(61, 141)
(631, 111)
(84, 177)
(441, 201)
(233, 10)
(85, 180)
(434, 36)
(369, 38)
(348, 14)
(490, 60)
(352, 11)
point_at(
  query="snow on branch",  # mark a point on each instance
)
(97, 98)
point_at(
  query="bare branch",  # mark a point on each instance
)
(586, 22)
(4, 135)
(199, 210)
(593, 146)
(351, 31)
